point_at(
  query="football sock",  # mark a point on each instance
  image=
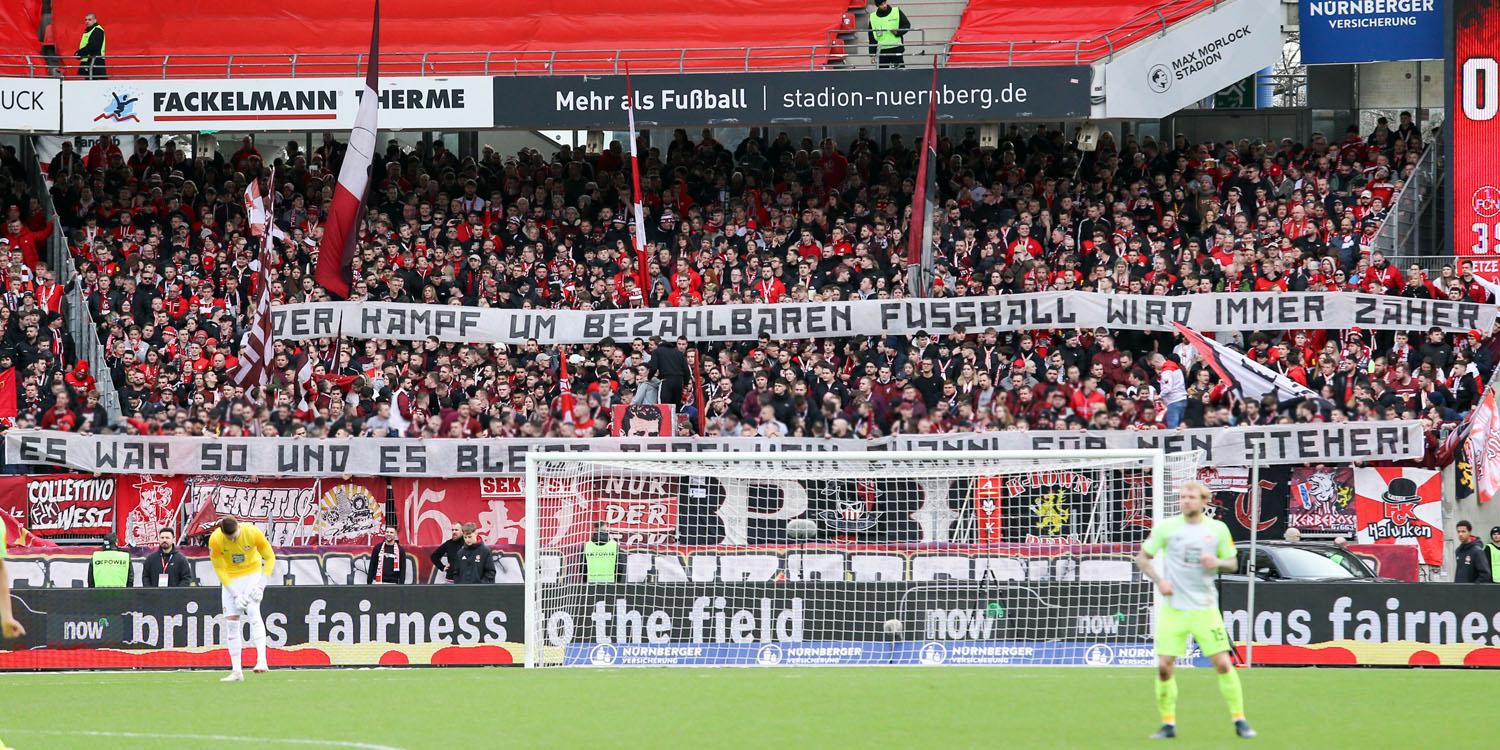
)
(1229, 687)
(234, 642)
(258, 633)
(1166, 700)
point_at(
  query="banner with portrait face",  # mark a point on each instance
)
(643, 420)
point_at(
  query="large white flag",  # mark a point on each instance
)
(1252, 379)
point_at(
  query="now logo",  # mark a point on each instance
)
(958, 625)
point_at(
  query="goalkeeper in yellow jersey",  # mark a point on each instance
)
(243, 561)
(1193, 549)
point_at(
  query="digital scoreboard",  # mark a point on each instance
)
(1475, 132)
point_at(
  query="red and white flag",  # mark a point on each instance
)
(256, 351)
(258, 209)
(341, 231)
(635, 174)
(305, 384)
(1483, 446)
(1400, 506)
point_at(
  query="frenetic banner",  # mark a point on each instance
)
(1326, 442)
(1234, 311)
(793, 98)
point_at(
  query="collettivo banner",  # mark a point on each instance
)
(793, 98)
(1353, 31)
(1232, 311)
(1417, 624)
(30, 104)
(1323, 442)
(1193, 60)
(177, 105)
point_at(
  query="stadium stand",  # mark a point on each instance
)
(158, 238)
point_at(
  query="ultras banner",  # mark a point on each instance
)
(802, 98)
(133, 507)
(1418, 624)
(1324, 442)
(294, 511)
(1232, 311)
(305, 626)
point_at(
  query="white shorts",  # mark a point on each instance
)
(237, 586)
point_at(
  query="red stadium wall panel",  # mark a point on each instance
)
(20, 22)
(1476, 133)
(1000, 32)
(325, 36)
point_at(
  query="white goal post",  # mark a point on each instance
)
(841, 557)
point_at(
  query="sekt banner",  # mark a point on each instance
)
(1391, 624)
(1057, 92)
(1230, 311)
(1321, 442)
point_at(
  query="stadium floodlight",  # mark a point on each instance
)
(883, 557)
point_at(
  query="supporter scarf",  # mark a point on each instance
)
(380, 563)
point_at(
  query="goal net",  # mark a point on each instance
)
(746, 559)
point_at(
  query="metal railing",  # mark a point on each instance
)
(76, 315)
(1401, 232)
(642, 60)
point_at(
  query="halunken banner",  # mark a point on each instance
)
(1326, 442)
(1230, 311)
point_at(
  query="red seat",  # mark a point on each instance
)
(846, 22)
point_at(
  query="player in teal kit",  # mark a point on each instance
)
(1193, 549)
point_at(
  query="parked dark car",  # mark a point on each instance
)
(1302, 561)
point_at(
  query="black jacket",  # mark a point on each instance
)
(668, 363)
(444, 557)
(474, 564)
(393, 558)
(1471, 563)
(179, 573)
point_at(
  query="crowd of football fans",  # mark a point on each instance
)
(170, 276)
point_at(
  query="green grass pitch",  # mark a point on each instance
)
(813, 708)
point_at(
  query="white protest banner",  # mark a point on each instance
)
(1232, 311)
(387, 457)
(153, 106)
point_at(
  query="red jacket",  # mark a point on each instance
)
(26, 241)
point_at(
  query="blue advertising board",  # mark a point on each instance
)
(899, 653)
(1352, 31)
